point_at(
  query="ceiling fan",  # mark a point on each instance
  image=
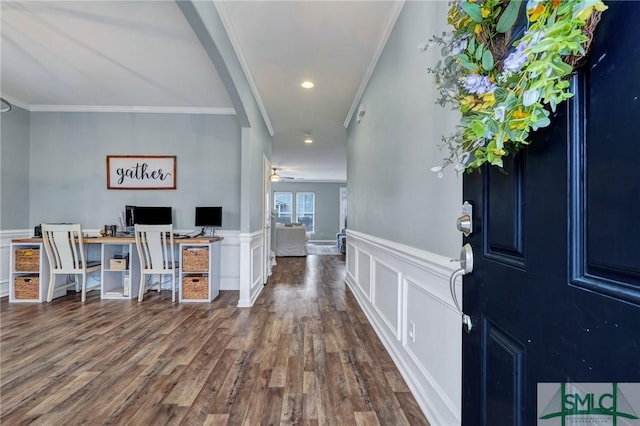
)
(275, 177)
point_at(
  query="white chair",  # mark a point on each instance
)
(156, 253)
(65, 250)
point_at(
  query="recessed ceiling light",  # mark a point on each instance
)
(307, 137)
(307, 84)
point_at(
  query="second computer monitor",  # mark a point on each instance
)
(209, 217)
(152, 215)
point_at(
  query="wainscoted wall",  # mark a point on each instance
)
(251, 266)
(405, 292)
(229, 260)
(229, 257)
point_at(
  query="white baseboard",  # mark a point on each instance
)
(333, 242)
(397, 285)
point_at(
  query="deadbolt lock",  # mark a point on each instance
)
(465, 222)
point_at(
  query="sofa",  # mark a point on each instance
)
(291, 240)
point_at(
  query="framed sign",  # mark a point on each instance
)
(141, 172)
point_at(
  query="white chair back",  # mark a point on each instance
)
(155, 247)
(156, 253)
(64, 247)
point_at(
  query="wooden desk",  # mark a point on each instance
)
(124, 240)
(120, 282)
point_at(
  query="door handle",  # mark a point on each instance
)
(466, 267)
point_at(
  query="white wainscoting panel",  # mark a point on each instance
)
(411, 286)
(351, 259)
(364, 273)
(256, 264)
(229, 260)
(386, 295)
(250, 268)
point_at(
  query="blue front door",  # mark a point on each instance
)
(555, 292)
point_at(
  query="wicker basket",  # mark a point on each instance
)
(27, 287)
(27, 259)
(195, 259)
(195, 287)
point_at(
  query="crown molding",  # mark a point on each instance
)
(17, 103)
(130, 109)
(386, 33)
(235, 43)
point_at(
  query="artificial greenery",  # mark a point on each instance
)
(507, 88)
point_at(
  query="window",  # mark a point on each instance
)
(304, 212)
(283, 205)
(305, 209)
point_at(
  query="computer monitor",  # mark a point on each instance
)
(152, 215)
(129, 212)
(209, 217)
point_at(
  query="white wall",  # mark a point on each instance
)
(68, 165)
(54, 170)
(14, 166)
(392, 192)
(402, 216)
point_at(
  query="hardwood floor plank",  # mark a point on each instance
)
(304, 354)
(339, 389)
(234, 383)
(139, 392)
(216, 420)
(324, 402)
(60, 397)
(309, 396)
(360, 399)
(366, 418)
(292, 409)
(244, 398)
(272, 410)
(295, 374)
(278, 377)
(255, 410)
(411, 409)
(201, 406)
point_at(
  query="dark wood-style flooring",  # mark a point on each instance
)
(304, 354)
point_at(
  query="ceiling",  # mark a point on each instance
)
(143, 56)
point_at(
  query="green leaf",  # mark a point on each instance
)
(472, 45)
(469, 66)
(462, 57)
(501, 94)
(508, 17)
(498, 142)
(478, 129)
(473, 10)
(543, 122)
(479, 52)
(487, 60)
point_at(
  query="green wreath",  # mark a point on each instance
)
(505, 89)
